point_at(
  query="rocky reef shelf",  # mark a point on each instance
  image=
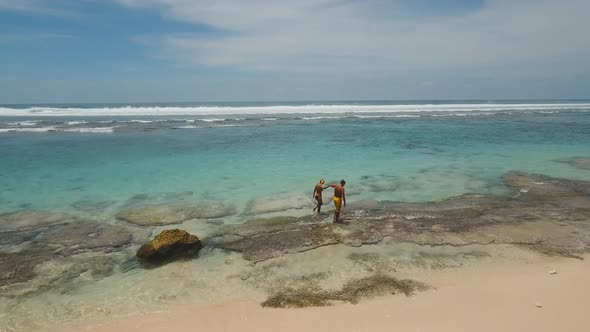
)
(42, 252)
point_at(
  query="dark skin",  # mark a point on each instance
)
(339, 192)
(317, 195)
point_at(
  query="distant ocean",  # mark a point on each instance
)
(55, 155)
(262, 159)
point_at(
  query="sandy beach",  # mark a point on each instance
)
(546, 294)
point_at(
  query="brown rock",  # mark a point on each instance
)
(168, 245)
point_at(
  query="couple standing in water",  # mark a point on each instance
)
(338, 198)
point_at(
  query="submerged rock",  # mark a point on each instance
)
(168, 214)
(85, 235)
(89, 206)
(42, 238)
(277, 203)
(352, 291)
(15, 268)
(577, 162)
(31, 219)
(551, 217)
(169, 244)
(157, 215)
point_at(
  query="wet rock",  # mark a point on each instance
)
(353, 291)
(212, 210)
(59, 273)
(269, 245)
(365, 204)
(89, 206)
(168, 245)
(15, 268)
(553, 219)
(277, 203)
(157, 215)
(298, 298)
(84, 235)
(541, 185)
(263, 226)
(168, 214)
(549, 249)
(31, 219)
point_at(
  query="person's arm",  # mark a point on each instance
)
(344, 197)
(314, 190)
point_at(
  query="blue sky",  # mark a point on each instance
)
(229, 50)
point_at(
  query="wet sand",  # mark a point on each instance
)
(490, 297)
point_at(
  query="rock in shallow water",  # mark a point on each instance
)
(168, 214)
(577, 162)
(90, 206)
(38, 238)
(14, 269)
(31, 219)
(168, 245)
(277, 203)
(352, 292)
(551, 217)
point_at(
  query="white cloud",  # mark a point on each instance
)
(369, 37)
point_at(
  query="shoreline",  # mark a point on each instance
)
(487, 297)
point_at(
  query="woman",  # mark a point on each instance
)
(317, 194)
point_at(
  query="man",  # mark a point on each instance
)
(317, 194)
(339, 198)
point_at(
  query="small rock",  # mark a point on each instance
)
(538, 305)
(552, 272)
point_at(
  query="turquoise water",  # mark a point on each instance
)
(386, 156)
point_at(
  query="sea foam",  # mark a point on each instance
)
(286, 109)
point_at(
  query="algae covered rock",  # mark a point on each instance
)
(169, 244)
(353, 291)
(15, 268)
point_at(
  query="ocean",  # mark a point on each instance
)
(245, 161)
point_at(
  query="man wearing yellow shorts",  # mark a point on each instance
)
(339, 198)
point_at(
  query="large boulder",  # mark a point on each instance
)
(168, 245)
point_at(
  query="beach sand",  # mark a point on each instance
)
(490, 297)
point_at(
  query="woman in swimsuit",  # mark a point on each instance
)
(317, 194)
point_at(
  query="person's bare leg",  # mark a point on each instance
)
(336, 217)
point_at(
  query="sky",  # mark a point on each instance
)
(85, 51)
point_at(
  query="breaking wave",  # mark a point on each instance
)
(39, 111)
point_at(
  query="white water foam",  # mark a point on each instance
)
(34, 130)
(23, 123)
(47, 129)
(98, 130)
(308, 109)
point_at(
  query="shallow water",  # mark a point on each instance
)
(259, 165)
(409, 159)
